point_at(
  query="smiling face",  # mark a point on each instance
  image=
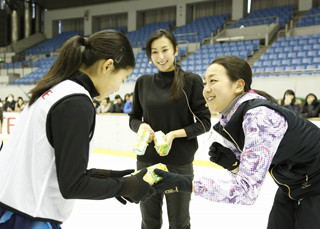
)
(219, 91)
(163, 54)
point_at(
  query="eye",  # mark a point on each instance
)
(165, 50)
(154, 52)
(212, 81)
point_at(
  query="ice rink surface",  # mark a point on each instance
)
(99, 214)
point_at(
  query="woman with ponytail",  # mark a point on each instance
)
(169, 101)
(43, 165)
(258, 136)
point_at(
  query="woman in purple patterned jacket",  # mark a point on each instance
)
(259, 136)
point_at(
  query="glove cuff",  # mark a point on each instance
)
(130, 186)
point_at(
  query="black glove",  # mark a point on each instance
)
(104, 174)
(172, 182)
(223, 156)
(136, 188)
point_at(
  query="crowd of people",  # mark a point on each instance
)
(310, 108)
(9, 104)
(118, 105)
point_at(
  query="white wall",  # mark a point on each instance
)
(113, 133)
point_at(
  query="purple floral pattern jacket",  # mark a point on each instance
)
(264, 129)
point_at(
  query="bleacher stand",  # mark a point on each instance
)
(266, 16)
(52, 44)
(312, 17)
(201, 59)
(139, 37)
(290, 56)
(200, 28)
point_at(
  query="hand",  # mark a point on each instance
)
(170, 137)
(147, 127)
(223, 156)
(136, 188)
(172, 182)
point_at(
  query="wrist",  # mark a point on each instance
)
(130, 184)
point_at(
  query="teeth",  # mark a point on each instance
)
(162, 62)
(210, 98)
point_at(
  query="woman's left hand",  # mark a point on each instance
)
(170, 137)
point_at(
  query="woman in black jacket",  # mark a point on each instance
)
(170, 100)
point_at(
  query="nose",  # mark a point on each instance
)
(206, 88)
(161, 55)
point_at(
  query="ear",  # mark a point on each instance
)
(177, 51)
(240, 86)
(108, 65)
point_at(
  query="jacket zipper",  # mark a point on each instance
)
(287, 186)
(234, 142)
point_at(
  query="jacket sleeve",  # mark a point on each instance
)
(264, 129)
(69, 127)
(197, 106)
(135, 116)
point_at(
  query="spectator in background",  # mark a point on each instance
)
(128, 104)
(126, 97)
(20, 104)
(10, 103)
(95, 104)
(118, 104)
(104, 106)
(289, 101)
(311, 107)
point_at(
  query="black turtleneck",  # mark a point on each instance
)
(70, 125)
(153, 104)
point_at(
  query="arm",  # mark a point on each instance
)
(135, 119)
(69, 126)
(264, 130)
(197, 105)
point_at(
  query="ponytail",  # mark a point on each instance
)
(66, 64)
(80, 51)
(265, 94)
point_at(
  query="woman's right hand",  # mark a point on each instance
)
(145, 126)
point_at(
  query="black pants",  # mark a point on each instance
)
(291, 214)
(177, 204)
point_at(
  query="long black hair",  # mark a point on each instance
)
(288, 92)
(79, 50)
(237, 68)
(179, 75)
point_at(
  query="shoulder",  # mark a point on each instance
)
(74, 104)
(144, 78)
(193, 79)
